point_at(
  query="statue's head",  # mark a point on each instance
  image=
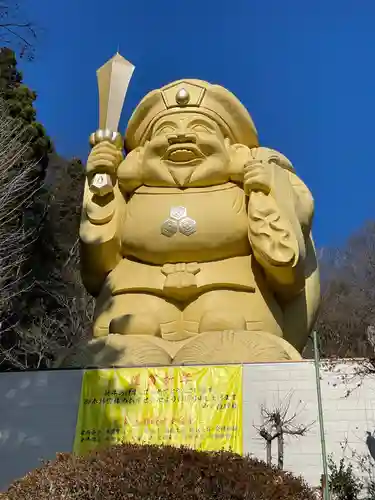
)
(189, 130)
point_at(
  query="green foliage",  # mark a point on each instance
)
(50, 309)
(54, 312)
(139, 472)
(343, 483)
(20, 102)
(370, 490)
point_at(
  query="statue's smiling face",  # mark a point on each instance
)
(187, 142)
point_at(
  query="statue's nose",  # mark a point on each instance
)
(181, 137)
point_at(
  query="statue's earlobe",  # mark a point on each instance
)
(129, 172)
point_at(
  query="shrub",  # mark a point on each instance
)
(343, 483)
(149, 473)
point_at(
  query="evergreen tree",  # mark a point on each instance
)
(19, 100)
(53, 311)
(20, 103)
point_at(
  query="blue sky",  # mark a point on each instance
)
(305, 70)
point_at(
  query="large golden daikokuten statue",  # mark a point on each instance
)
(201, 252)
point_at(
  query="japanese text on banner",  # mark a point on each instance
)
(199, 407)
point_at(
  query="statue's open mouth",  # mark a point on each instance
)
(183, 153)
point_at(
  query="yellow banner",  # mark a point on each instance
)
(199, 407)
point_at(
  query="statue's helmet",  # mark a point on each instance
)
(194, 96)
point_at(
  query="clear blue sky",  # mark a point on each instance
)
(305, 70)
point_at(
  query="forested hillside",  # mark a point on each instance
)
(346, 323)
(44, 308)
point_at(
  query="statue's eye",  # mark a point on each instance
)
(168, 129)
(201, 128)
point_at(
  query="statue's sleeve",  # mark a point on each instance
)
(279, 228)
(100, 236)
(303, 203)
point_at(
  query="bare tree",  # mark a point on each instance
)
(49, 337)
(39, 341)
(346, 324)
(347, 313)
(354, 374)
(16, 191)
(277, 423)
(17, 188)
(15, 31)
(360, 368)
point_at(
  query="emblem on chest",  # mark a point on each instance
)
(178, 222)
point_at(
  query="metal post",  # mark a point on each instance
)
(320, 413)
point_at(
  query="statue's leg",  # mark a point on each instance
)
(219, 310)
(128, 332)
(134, 314)
(234, 327)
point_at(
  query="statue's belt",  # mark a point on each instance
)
(182, 280)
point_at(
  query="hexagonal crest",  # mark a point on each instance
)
(101, 184)
(169, 228)
(178, 213)
(188, 226)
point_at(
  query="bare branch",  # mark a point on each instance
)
(15, 31)
(347, 315)
(16, 192)
(48, 337)
(277, 423)
(39, 342)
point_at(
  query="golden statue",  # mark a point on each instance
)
(197, 243)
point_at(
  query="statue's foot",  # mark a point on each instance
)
(271, 234)
(230, 346)
(117, 351)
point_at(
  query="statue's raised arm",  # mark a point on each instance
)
(201, 250)
(103, 206)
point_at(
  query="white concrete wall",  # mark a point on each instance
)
(346, 418)
(270, 385)
(38, 412)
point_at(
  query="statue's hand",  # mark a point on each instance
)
(258, 176)
(101, 167)
(104, 159)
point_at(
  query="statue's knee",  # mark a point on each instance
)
(217, 320)
(136, 324)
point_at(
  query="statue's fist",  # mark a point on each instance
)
(258, 176)
(104, 159)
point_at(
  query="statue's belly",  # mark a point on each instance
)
(216, 215)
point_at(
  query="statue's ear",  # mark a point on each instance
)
(129, 172)
(239, 155)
